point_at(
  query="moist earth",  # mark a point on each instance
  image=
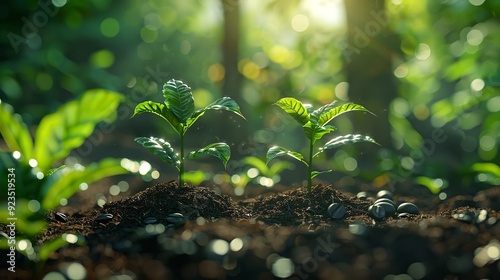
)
(287, 234)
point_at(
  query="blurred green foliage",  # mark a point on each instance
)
(444, 119)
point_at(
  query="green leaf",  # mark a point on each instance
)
(218, 150)
(487, 167)
(160, 110)
(224, 103)
(15, 132)
(179, 99)
(49, 247)
(343, 140)
(315, 132)
(66, 129)
(295, 109)
(277, 151)
(161, 148)
(277, 167)
(66, 181)
(257, 163)
(321, 110)
(316, 173)
(327, 115)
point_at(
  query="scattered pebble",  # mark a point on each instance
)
(482, 216)
(362, 195)
(104, 218)
(175, 218)
(377, 212)
(389, 208)
(407, 207)
(385, 200)
(336, 211)
(464, 217)
(61, 217)
(150, 220)
(404, 215)
(384, 194)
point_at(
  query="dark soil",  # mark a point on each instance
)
(286, 234)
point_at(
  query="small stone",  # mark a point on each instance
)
(404, 215)
(362, 195)
(61, 217)
(336, 211)
(104, 218)
(388, 208)
(150, 220)
(376, 212)
(385, 200)
(175, 218)
(408, 208)
(464, 217)
(310, 210)
(385, 194)
(482, 216)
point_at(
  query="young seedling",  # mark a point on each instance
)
(178, 110)
(315, 125)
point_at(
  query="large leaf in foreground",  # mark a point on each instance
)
(66, 129)
(277, 151)
(295, 109)
(179, 99)
(66, 181)
(345, 139)
(161, 148)
(15, 132)
(160, 110)
(219, 150)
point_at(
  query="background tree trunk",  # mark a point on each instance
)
(369, 69)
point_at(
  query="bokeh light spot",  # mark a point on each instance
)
(476, 2)
(44, 81)
(216, 72)
(110, 27)
(300, 23)
(102, 59)
(475, 37)
(149, 35)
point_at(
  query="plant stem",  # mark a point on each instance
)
(309, 177)
(181, 167)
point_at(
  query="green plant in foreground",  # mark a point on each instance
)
(315, 125)
(178, 110)
(39, 181)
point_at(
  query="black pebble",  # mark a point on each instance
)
(104, 218)
(388, 208)
(377, 212)
(384, 194)
(61, 217)
(175, 218)
(362, 195)
(408, 208)
(336, 211)
(464, 217)
(150, 220)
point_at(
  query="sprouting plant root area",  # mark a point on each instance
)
(224, 239)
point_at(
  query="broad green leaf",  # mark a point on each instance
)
(321, 110)
(49, 247)
(257, 163)
(66, 129)
(326, 116)
(15, 132)
(295, 109)
(161, 148)
(487, 167)
(218, 150)
(160, 110)
(343, 140)
(316, 173)
(315, 132)
(26, 222)
(179, 99)
(279, 166)
(66, 181)
(277, 151)
(224, 103)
